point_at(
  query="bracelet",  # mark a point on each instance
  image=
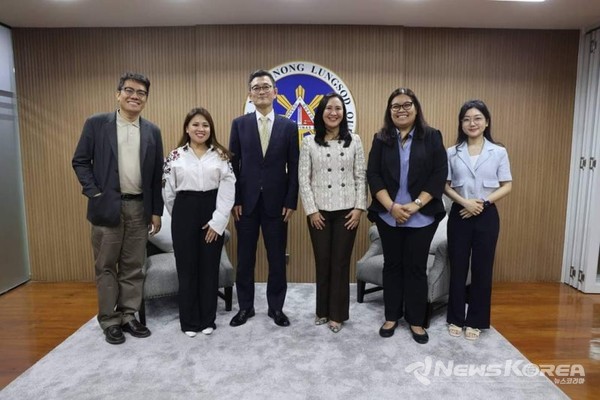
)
(392, 207)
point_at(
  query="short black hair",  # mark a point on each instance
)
(257, 74)
(134, 76)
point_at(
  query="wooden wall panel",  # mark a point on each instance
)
(527, 80)
(65, 75)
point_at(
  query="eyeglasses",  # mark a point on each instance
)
(404, 106)
(130, 91)
(263, 88)
(479, 120)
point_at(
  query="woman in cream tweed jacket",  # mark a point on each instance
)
(332, 179)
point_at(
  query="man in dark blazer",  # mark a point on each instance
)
(118, 162)
(265, 162)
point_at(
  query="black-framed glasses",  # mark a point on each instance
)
(261, 88)
(404, 106)
(130, 91)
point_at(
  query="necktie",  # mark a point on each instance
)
(263, 130)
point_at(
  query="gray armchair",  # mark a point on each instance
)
(161, 273)
(369, 269)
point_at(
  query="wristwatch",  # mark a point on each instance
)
(486, 204)
(419, 202)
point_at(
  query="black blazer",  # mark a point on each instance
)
(275, 174)
(97, 167)
(428, 171)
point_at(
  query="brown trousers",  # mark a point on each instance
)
(119, 253)
(333, 248)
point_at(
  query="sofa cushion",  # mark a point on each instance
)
(161, 276)
(163, 239)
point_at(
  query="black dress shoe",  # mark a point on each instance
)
(135, 328)
(242, 316)
(419, 338)
(279, 317)
(114, 335)
(389, 332)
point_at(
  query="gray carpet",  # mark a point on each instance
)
(262, 361)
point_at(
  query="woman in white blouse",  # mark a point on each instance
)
(331, 175)
(199, 191)
(478, 176)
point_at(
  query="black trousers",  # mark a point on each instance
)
(197, 261)
(405, 252)
(472, 239)
(332, 247)
(274, 232)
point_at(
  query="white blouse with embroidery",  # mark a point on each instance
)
(183, 170)
(334, 177)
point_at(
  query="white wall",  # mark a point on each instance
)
(14, 260)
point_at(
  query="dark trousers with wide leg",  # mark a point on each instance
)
(274, 232)
(332, 247)
(405, 252)
(471, 241)
(197, 261)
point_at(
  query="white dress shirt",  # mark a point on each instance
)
(334, 177)
(480, 180)
(183, 170)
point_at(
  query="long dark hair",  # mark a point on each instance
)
(212, 138)
(388, 132)
(321, 130)
(479, 105)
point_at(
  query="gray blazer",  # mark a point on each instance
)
(96, 165)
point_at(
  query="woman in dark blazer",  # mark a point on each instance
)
(406, 173)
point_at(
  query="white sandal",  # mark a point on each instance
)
(455, 330)
(472, 333)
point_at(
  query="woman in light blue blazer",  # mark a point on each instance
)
(478, 176)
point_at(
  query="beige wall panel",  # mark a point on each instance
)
(64, 76)
(527, 78)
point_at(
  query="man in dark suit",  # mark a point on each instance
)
(265, 162)
(118, 162)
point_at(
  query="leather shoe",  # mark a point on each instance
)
(242, 316)
(389, 332)
(114, 335)
(135, 328)
(419, 338)
(279, 317)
